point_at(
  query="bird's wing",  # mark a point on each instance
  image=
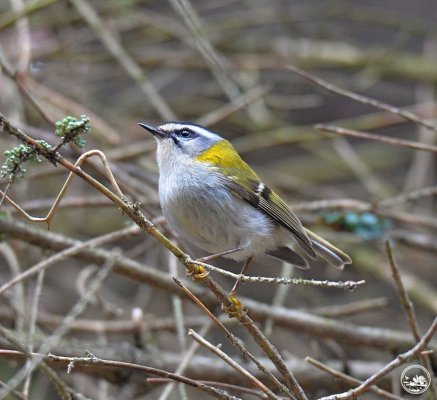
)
(263, 198)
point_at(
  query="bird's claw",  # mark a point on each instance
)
(199, 274)
(235, 308)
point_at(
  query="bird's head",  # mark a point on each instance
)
(182, 139)
(185, 143)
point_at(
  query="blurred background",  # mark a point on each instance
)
(223, 64)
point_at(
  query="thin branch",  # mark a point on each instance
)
(408, 115)
(115, 48)
(30, 7)
(379, 138)
(229, 386)
(199, 339)
(62, 329)
(53, 260)
(279, 296)
(304, 322)
(407, 305)
(215, 116)
(32, 323)
(92, 360)
(344, 310)
(349, 285)
(188, 356)
(53, 376)
(134, 213)
(180, 332)
(407, 197)
(217, 63)
(349, 379)
(234, 340)
(399, 360)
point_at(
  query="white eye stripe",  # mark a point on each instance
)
(199, 130)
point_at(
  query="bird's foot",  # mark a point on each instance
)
(235, 308)
(198, 272)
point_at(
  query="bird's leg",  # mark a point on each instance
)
(216, 255)
(243, 270)
(202, 272)
(236, 306)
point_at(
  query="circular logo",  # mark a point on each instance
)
(415, 379)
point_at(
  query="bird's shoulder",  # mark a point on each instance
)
(223, 156)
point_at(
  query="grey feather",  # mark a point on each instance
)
(288, 255)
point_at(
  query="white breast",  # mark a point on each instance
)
(205, 213)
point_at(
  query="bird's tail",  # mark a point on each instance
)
(327, 251)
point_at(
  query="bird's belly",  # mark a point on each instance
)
(217, 221)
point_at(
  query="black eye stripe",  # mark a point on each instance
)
(176, 142)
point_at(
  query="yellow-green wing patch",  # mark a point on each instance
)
(264, 199)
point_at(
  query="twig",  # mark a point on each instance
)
(408, 115)
(279, 296)
(349, 285)
(420, 170)
(115, 48)
(359, 205)
(349, 379)
(215, 116)
(43, 265)
(93, 361)
(241, 389)
(186, 360)
(32, 323)
(62, 329)
(303, 322)
(411, 196)
(51, 214)
(18, 300)
(133, 212)
(11, 74)
(16, 393)
(234, 340)
(407, 305)
(217, 63)
(30, 7)
(378, 138)
(199, 339)
(23, 39)
(59, 383)
(180, 332)
(364, 173)
(104, 129)
(399, 360)
(344, 310)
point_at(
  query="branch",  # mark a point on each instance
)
(300, 321)
(378, 138)
(399, 360)
(408, 115)
(91, 360)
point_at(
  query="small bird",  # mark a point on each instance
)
(216, 202)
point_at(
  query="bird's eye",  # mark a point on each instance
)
(185, 133)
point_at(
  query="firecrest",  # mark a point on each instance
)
(216, 202)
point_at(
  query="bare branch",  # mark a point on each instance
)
(378, 138)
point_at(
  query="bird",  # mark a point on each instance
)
(215, 201)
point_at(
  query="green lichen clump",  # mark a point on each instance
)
(15, 158)
(71, 129)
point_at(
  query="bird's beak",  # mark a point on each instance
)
(155, 131)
